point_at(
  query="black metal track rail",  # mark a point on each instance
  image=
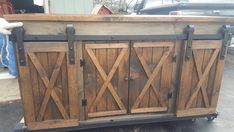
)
(28, 38)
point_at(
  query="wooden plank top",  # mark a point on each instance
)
(117, 18)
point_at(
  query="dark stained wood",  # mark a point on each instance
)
(195, 97)
(150, 97)
(53, 80)
(26, 92)
(119, 78)
(106, 67)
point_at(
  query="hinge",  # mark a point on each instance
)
(189, 30)
(169, 95)
(84, 102)
(18, 38)
(227, 36)
(82, 62)
(174, 58)
(70, 31)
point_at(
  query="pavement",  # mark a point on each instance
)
(11, 110)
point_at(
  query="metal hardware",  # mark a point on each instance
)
(47, 38)
(18, 38)
(189, 30)
(70, 30)
(82, 62)
(227, 36)
(169, 95)
(132, 120)
(84, 102)
(128, 78)
(174, 58)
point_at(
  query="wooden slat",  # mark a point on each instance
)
(199, 73)
(72, 87)
(45, 47)
(154, 73)
(199, 84)
(26, 92)
(116, 18)
(107, 113)
(50, 124)
(106, 46)
(111, 56)
(152, 44)
(166, 76)
(151, 109)
(186, 70)
(217, 82)
(207, 44)
(80, 81)
(49, 85)
(148, 73)
(195, 112)
(51, 106)
(35, 87)
(107, 79)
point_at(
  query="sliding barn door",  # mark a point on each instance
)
(151, 67)
(48, 86)
(106, 67)
(200, 79)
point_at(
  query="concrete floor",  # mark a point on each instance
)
(11, 111)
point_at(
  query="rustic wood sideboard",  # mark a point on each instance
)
(76, 71)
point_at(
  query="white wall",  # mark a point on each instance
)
(71, 6)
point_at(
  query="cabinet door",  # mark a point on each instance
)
(48, 85)
(151, 69)
(106, 68)
(200, 79)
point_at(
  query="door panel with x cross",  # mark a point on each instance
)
(52, 82)
(151, 69)
(200, 79)
(106, 68)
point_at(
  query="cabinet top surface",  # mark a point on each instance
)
(117, 18)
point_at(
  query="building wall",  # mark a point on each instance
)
(213, 1)
(71, 6)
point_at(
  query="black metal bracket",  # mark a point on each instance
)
(84, 102)
(227, 36)
(70, 31)
(82, 62)
(18, 38)
(189, 30)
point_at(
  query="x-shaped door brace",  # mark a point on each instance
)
(49, 84)
(151, 77)
(107, 78)
(201, 78)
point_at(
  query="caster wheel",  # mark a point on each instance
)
(210, 119)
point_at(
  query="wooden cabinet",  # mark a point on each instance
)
(118, 82)
(122, 69)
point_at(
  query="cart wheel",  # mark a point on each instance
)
(212, 117)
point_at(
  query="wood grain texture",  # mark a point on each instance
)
(117, 18)
(107, 58)
(197, 94)
(151, 94)
(54, 87)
